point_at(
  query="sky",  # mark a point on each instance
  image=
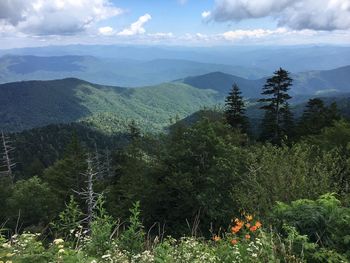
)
(25, 23)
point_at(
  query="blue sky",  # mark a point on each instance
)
(174, 22)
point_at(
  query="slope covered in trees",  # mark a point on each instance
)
(25, 105)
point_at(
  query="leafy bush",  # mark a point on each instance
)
(99, 241)
(68, 222)
(324, 221)
(132, 239)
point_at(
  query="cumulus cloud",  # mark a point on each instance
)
(137, 27)
(55, 17)
(296, 14)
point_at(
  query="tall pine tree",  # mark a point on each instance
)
(278, 117)
(235, 110)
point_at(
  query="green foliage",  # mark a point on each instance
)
(235, 110)
(69, 221)
(99, 239)
(133, 238)
(31, 203)
(105, 107)
(66, 175)
(317, 116)
(277, 118)
(284, 173)
(324, 221)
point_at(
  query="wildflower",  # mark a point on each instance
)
(6, 245)
(216, 238)
(58, 241)
(61, 251)
(60, 246)
(248, 225)
(249, 217)
(253, 228)
(258, 224)
(239, 223)
(247, 236)
(234, 242)
(235, 229)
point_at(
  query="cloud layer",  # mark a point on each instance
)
(296, 14)
(54, 17)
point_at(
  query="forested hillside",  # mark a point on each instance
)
(25, 105)
(215, 187)
(30, 104)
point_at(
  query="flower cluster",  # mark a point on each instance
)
(244, 229)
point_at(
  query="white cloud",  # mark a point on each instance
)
(55, 17)
(137, 27)
(161, 35)
(106, 31)
(206, 14)
(255, 33)
(296, 14)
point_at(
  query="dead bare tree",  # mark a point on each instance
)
(88, 194)
(9, 163)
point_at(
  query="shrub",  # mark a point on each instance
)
(324, 221)
(132, 239)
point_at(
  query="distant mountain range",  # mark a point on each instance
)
(111, 71)
(29, 104)
(269, 58)
(305, 83)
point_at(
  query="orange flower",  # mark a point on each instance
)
(247, 236)
(216, 238)
(239, 223)
(235, 229)
(258, 224)
(248, 225)
(253, 228)
(234, 241)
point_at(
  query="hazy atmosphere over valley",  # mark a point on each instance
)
(174, 131)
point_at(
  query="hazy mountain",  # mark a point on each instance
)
(222, 83)
(305, 84)
(269, 58)
(29, 104)
(109, 71)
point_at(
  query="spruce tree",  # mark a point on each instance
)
(276, 106)
(288, 124)
(316, 116)
(235, 110)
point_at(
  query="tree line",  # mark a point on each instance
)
(279, 124)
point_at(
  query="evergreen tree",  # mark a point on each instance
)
(288, 124)
(235, 109)
(276, 106)
(316, 116)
